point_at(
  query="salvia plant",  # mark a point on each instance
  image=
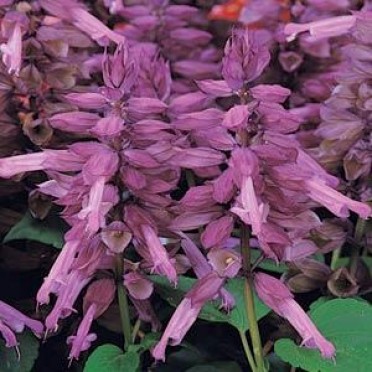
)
(172, 170)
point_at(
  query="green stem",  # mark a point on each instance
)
(249, 300)
(358, 236)
(248, 352)
(123, 303)
(335, 256)
(360, 229)
(136, 328)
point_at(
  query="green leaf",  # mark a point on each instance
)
(267, 264)
(237, 317)
(49, 231)
(28, 346)
(344, 261)
(270, 265)
(147, 342)
(185, 358)
(110, 358)
(216, 367)
(347, 323)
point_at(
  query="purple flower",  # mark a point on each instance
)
(252, 211)
(217, 232)
(83, 20)
(246, 56)
(278, 297)
(159, 256)
(83, 339)
(138, 286)
(335, 201)
(17, 321)
(116, 236)
(120, 70)
(187, 312)
(324, 28)
(13, 321)
(13, 26)
(98, 298)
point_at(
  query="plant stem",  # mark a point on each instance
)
(123, 303)
(247, 351)
(360, 229)
(335, 256)
(358, 236)
(136, 328)
(249, 301)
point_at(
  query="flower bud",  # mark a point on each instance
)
(342, 283)
(306, 275)
(39, 204)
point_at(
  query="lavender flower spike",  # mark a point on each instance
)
(245, 58)
(278, 297)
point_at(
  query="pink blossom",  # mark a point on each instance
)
(324, 28)
(217, 232)
(18, 321)
(12, 51)
(9, 336)
(333, 200)
(159, 256)
(13, 26)
(187, 312)
(58, 273)
(13, 321)
(68, 293)
(83, 339)
(98, 298)
(116, 236)
(59, 160)
(278, 297)
(100, 293)
(252, 211)
(138, 286)
(202, 267)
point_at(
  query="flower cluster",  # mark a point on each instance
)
(156, 145)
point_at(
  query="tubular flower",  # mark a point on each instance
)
(13, 321)
(278, 297)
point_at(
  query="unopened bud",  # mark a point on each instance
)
(342, 283)
(39, 204)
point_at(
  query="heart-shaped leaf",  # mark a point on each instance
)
(110, 358)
